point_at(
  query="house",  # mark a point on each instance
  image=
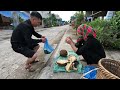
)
(95, 14)
(5, 19)
(8, 18)
(109, 15)
(24, 15)
(45, 14)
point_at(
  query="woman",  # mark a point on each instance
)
(87, 45)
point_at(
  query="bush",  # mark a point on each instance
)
(99, 26)
(108, 32)
(79, 19)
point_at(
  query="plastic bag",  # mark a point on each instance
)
(90, 72)
(47, 47)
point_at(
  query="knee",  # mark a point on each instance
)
(36, 48)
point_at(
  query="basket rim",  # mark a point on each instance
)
(102, 67)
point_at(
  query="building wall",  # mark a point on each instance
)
(4, 21)
(88, 13)
(45, 14)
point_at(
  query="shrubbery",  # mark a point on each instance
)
(108, 32)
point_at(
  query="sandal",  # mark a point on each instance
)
(83, 60)
(28, 66)
(34, 62)
(30, 70)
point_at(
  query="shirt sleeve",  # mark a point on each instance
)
(84, 48)
(79, 44)
(37, 35)
(27, 35)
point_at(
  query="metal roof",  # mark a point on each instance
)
(23, 15)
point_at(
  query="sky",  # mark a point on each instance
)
(65, 15)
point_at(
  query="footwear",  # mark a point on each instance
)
(30, 70)
(34, 62)
(28, 66)
(83, 60)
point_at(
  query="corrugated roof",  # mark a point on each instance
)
(6, 13)
(23, 15)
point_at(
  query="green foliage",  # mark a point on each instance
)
(79, 19)
(72, 18)
(100, 26)
(108, 32)
(20, 19)
(51, 21)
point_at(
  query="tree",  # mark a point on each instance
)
(20, 19)
(79, 19)
(51, 21)
(72, 18)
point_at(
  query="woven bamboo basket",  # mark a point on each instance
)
(108, 69)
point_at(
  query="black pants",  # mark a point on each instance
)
(91, 58)
(24, 50)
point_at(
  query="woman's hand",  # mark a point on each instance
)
(68, 40)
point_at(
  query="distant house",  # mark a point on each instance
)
(109, 15)
(24, 15)
(95, 14)
(45, 14)
(8, 18)
(5, 19)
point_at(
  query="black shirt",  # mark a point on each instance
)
(91, 49)
(23, 33)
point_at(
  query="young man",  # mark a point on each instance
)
(22, 42)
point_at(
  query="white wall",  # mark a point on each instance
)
(45, 14)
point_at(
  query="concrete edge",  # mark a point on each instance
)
(56, 49)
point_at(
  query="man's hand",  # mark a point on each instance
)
(43, 40)
(43, 37)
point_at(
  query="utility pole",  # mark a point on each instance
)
(15, 17)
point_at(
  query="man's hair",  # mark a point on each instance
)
(36, 14)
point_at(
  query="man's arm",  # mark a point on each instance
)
(37, 35)
(27, 35)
